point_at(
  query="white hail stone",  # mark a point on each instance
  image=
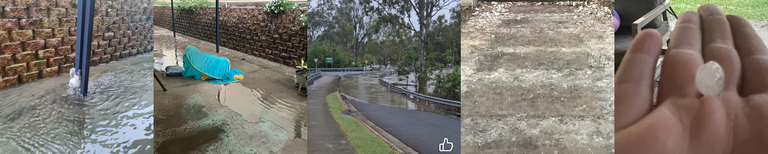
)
(710, 78)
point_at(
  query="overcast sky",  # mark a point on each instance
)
(445, 11)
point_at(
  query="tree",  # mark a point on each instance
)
(401, 13)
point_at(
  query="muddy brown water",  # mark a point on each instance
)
(116, 116)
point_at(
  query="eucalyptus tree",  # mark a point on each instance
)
(416, 16)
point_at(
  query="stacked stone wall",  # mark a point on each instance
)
(278, 37)
(37, 37)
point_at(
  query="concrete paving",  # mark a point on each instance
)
(536, 79)
(325, 136)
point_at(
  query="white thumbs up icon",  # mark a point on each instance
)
(446, 143)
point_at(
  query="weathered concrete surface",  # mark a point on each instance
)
(536, 79)
(325, 136)
(260, 114)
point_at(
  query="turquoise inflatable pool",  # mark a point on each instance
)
(209, 68)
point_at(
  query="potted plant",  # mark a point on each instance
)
(301, 74)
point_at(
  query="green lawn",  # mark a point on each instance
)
(750, 9)
(361, 138)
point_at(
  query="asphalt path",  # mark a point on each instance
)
(422, 131)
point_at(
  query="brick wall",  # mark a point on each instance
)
(277, 37)
(37, 37)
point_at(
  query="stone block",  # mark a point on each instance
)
(103, 44)
(114, 42)
(46, 54)
(4, 37)
(60, 32)
(49, 72)
(115, 56)
(68, 22)
(10, 47)
(73, 31)
(37, 65)
(94, 61)
(21, 35)
(55, 61)
(43, 33)
(64, 3)
(109, 36)
(72, 13)
(124, 54)
(63, 51)
(15, 12)
(24, 57)
(29, 77)
(105, 59)
(69, 58)
(50, 23)
(10, 81)
(9, 24)
(69, 41)
(6, 60)
(34, 45)
(65, 68)
(52, 43)
(97, 53)
(29, 24)
(15, 69)
(47, 3)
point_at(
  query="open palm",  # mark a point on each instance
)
(683, 120)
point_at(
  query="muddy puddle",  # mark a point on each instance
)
(116, 117)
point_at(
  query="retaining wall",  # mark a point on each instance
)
(277, 37)
(37, 37)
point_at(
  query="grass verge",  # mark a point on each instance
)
(361, 138)
(749, 9)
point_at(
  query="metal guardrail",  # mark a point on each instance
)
(339, 69)
(415, 94)
(312, 76)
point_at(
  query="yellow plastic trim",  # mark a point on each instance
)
(205, 76)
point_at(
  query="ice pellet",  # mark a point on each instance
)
(710, 78)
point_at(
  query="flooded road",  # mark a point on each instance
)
(260, 114)
(365, 87)
(116, 117)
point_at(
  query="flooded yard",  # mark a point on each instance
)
(260, 114)
(115, 117)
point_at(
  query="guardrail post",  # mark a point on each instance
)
(85, 10)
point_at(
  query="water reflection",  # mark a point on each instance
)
(365, 87)
(116, 117)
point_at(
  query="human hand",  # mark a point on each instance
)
(683, 120)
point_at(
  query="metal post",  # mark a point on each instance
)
(173, 20)
(217, 26)
(85, 9)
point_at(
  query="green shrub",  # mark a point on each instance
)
(276, 6)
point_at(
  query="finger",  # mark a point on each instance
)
(753, 54)
(718, 44)
(678, 70)
(634, 79)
